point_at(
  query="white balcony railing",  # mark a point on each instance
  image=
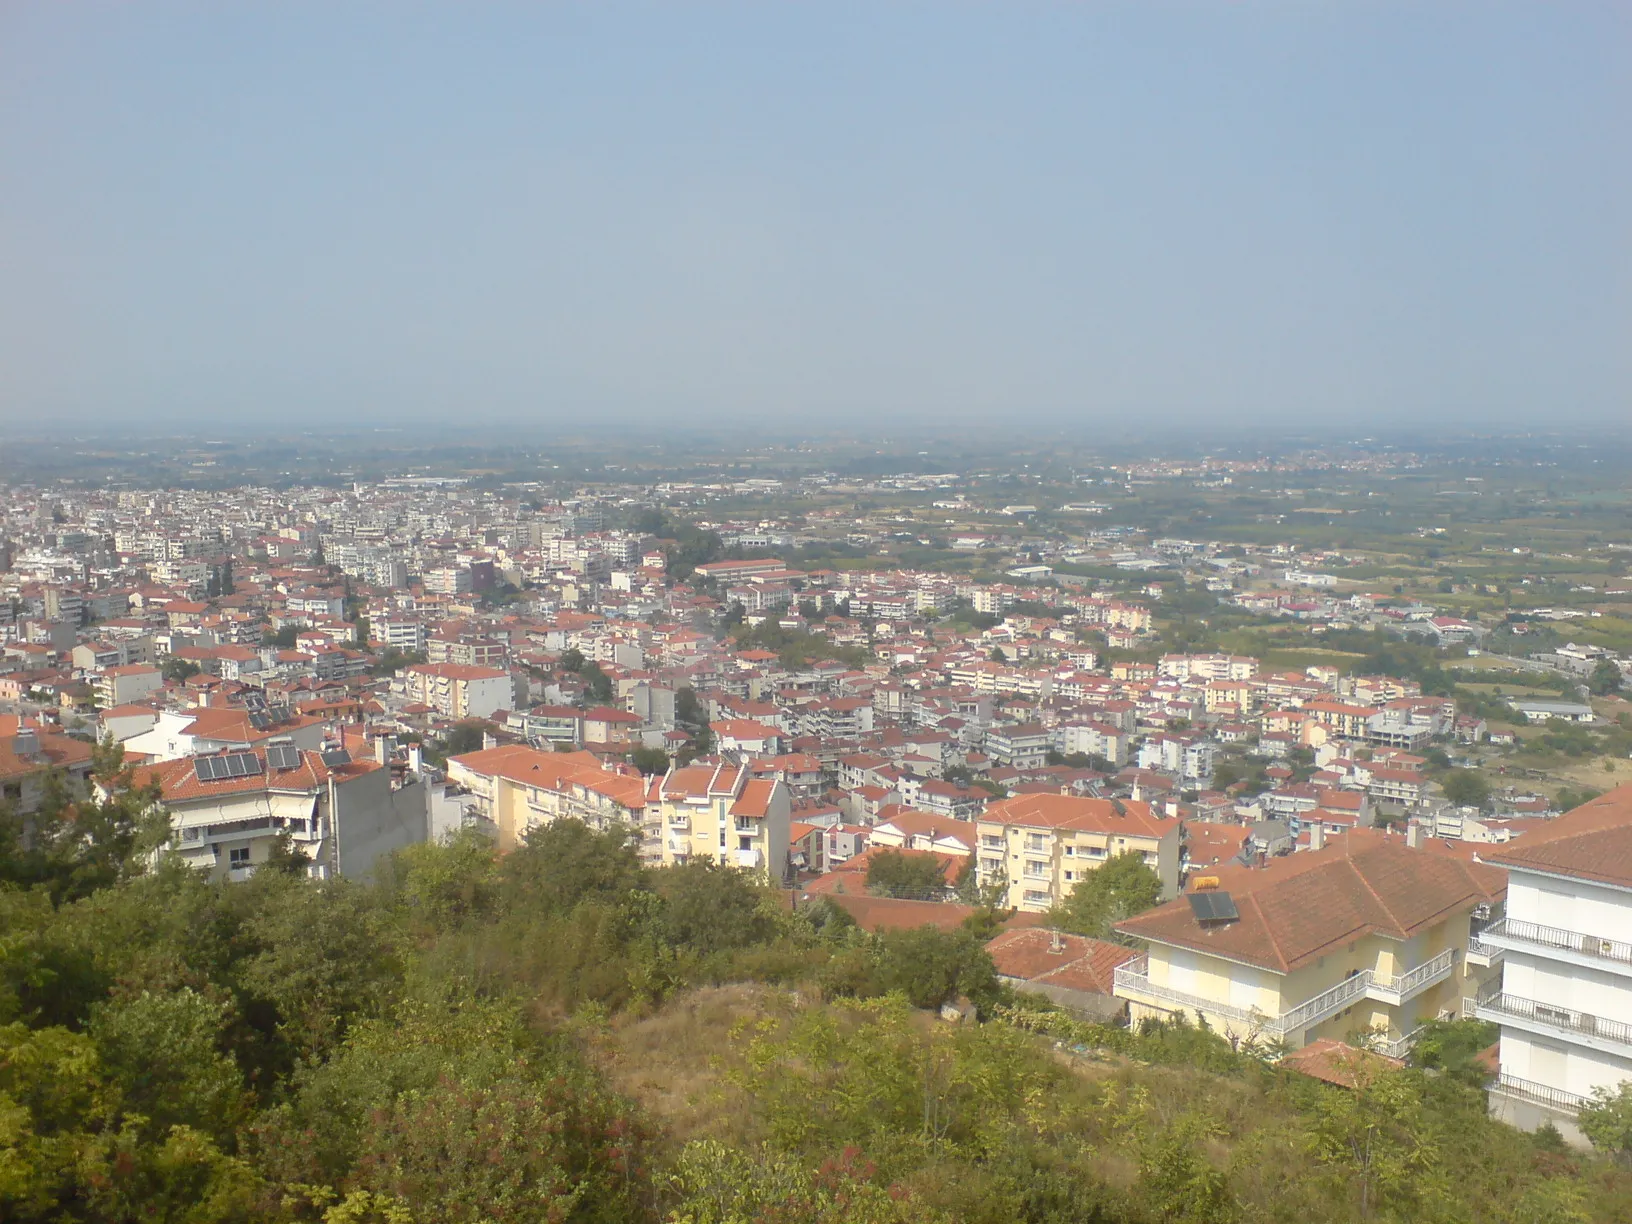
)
(1132, 981)
(1414, 981)
(1540, 1094)
(1522, 936)
(1583, 1027)
(749, 858)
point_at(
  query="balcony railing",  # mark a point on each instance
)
(1572, 1023)
(1537, 936)
(1540, 1094)
(1398, 990)
(1133, 979)
(1482, 953)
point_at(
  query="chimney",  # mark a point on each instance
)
(1317, 836)
(1413, 835)
(416, 762)
(489, 740)
(382, 749)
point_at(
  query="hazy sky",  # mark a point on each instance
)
(1091, 212)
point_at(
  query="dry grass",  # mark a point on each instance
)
(673, 1062)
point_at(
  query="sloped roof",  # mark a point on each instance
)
(1055, 958)
(1591, 842)
(1298, 908)
(1077, 812)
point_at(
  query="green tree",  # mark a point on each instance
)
(465, 737)
(166, 1052)
(1466, 788)
(572, 659)
(915, 877)
(598, 688)
(931, 967)
(1453, 1047)
(650, 760)
(1606, 1121)
(1606, 678)
(178, 670)
(1375, 1139)
(1121, 887)
(708, 908)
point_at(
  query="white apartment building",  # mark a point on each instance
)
(1565, 1000)
(456, 691)
(228, 810)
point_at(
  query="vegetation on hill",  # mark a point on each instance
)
(564, 1035)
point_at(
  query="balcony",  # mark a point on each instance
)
(1548, 1020)
(1482, 954)
(1414, 982)
(1555, 1099)
(1588, 951)
(1132, 981)
(749, 859)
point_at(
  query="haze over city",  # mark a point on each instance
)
(1038, 216)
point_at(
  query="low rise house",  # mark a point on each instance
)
(1076, 972)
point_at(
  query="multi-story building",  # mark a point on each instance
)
(1565, 997)
(1099, 739)
(719, 813)
(457, 691)
(404, 633)
(1041, 846)
(1367, 935)
(28, 755)
(515, 787)
(1021, 746)
(228, 810)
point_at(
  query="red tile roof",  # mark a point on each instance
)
(1591, 842)
(1298, 908)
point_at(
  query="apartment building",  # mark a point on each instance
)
(227, 810)
(28, 754)
(1367, 934)
(117, 686)
(515, 788)
(1039, 847)
(1564, 1001)
(458, 691)
(1020, 746)
(1100, 739)
(720, 813)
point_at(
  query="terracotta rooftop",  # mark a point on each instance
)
(1296, 909)
(1055, 958)
(1338, 1063)
(1591, 842)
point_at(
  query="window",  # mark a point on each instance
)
(238, 857)
(745, 843)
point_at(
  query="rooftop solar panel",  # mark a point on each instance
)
(1213, 907)
(283, 756)
(335, 757)
(204, 769)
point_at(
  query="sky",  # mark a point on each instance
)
(1088, 216)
